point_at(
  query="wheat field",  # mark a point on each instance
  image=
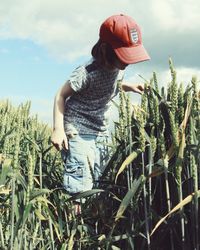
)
(147, 198)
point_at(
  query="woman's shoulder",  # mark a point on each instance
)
(92, 66)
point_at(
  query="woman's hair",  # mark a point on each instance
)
(101, 58)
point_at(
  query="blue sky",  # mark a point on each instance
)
(29, 72)
(41, 42)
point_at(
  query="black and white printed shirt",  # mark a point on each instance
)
(87, 110)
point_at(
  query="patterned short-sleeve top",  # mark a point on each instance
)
(86, 111)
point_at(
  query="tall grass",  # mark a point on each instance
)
(147, 198)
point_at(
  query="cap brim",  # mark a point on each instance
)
(130, 55)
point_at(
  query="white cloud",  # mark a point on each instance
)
(176, 15)
(65, 28)
(68, 29)
(184, 75)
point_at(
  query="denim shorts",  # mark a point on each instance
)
(84, 162)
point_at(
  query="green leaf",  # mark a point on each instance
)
(6, 169)
(127, 161)
(37, 148)
(26, 213)
(129, 196)
(44, 200)
(71, 239)
(184, 202)
(64, 246)
(157, 94)
(20, 179)
(54, 222)
(38, 192)
(113, 247)
(85, 194)
(39, 215)
(4, 190)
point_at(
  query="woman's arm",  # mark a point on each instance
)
(134, 87)
(58, 137)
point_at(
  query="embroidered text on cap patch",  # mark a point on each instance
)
(134, 35)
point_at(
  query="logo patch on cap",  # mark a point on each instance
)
(134, 35)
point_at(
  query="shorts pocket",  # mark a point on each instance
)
(74, 167)
(73, 175)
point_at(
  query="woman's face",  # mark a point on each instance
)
(111, 60)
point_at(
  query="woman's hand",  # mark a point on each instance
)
(138, 88)
(59, 139)
(134, 87)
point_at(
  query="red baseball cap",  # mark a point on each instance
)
(124, 35)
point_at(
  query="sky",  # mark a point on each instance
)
(42, 41)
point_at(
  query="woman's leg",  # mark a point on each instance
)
(78, 163)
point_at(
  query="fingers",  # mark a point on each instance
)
(141, 87)
(139, 92)
(65, 143)
(57, 146)
(59, 140)
(60, 146)
(56, 143)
